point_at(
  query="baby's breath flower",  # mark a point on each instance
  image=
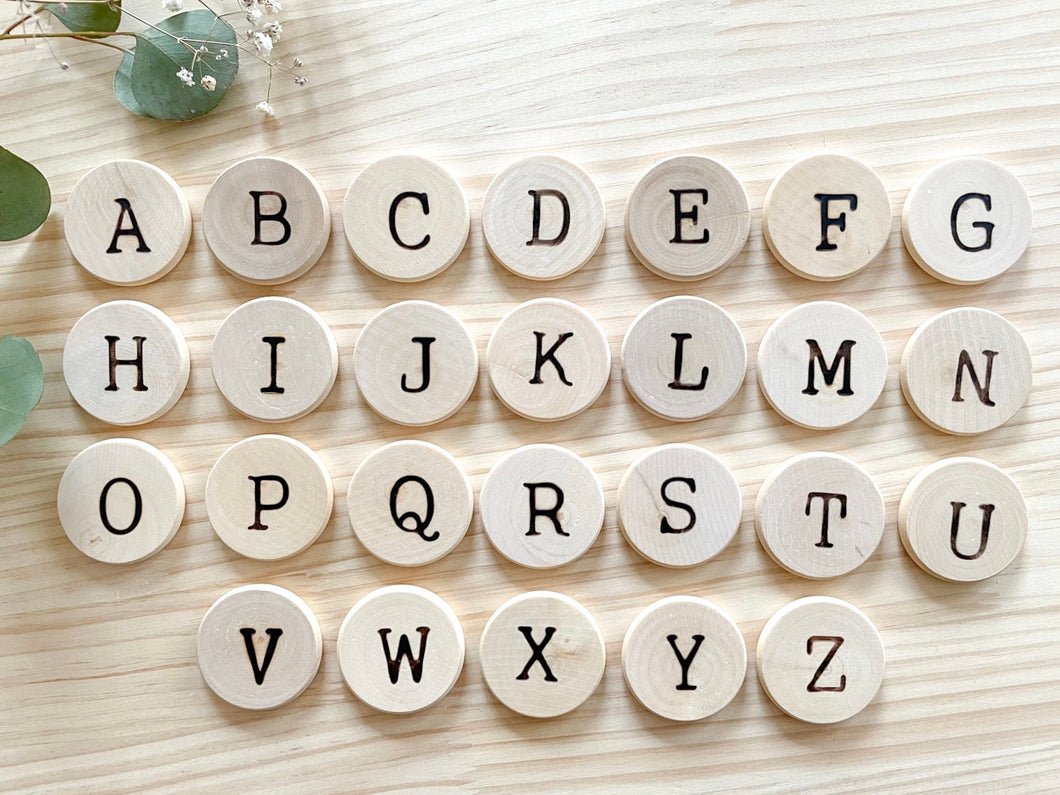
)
(274, 30)
(209, 82)
(186, 77)
(173, 5)
(265, 108)
(63, 8)
(297, 63)
(272, 6)
(300, 81)
(263, 42)
(64, 65)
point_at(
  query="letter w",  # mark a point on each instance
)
(404, 649)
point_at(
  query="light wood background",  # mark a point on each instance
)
(100, 689)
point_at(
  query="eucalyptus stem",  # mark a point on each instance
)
(79, 37)
(86, 35)
(16, 23)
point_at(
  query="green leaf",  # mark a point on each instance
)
(82, 17)
(155, 85)
(123, 87)
(25, 197)
(21, 384)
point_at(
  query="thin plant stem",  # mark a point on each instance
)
(86, 35)
(104, 44)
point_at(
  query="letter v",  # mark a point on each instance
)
(248, 639)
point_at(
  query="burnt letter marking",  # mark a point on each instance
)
(134, 230)
(679, 360)
(986, 226)
(536, 239)
(273, 343)
(425, 366)
(665, 526)
(685, 662)
(537, 653)
(248, 640)
(826, 498)
(404, 650)
(552, 514)
(690, 214)
(419, 523)
(138, 506)
(137, 362)
(981, 389)
(422, 198)
(541, 358)
(836, 642)
(260, 506)
(277, 217)
(839, 221)
(984, 530)
(842, 357)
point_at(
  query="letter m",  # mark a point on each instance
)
(829, 372)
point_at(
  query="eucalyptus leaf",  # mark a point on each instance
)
(25, 197)
(123, 87)
(87, 17)
(21, 384)
(161, 53)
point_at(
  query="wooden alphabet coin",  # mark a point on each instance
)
(259, 647)
(120, 501)
(274, 359)
(268, 497)
(541, 506)
(410, 503)
(687, 218)
(966, 371)
(406, 218)
(967, 220)
(542, 654)
(683, 358)
(266, 220)
(679, 505)
(822, 365)
(819, 515)
(826, 217)
(543, 217)
(820, 659)
(127, 222)
(416, 363)
(963, 519)
(401, 649)
(126, 363)
(684, 658)
(548, 359)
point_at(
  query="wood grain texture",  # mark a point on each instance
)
(100, 686)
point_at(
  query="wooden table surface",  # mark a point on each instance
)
(100, 688)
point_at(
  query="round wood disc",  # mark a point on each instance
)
(543, 217)
(679, 505)
(274, 359)
(683, 658)
(416, 363)
(121, 501)
(268, 497)
(966, 371)
(822, 365)
(819, 515)
(406, 218)
(266, 220)
(401, 649)
(127, 222)
(548, 359)
(963, 519)
(967, 220)
(126, 363)
(542, 654)
(259, 647)
(826, 217)
(820, 659)
(683, 358)
(410, 503)
(687, 218)
(541, 506)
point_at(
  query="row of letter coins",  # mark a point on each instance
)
(406, 218)
(820, 365)
(401, 649)
(818, 515)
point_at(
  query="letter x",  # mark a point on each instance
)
(537, 655)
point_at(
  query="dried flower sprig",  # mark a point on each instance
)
(179, 68)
